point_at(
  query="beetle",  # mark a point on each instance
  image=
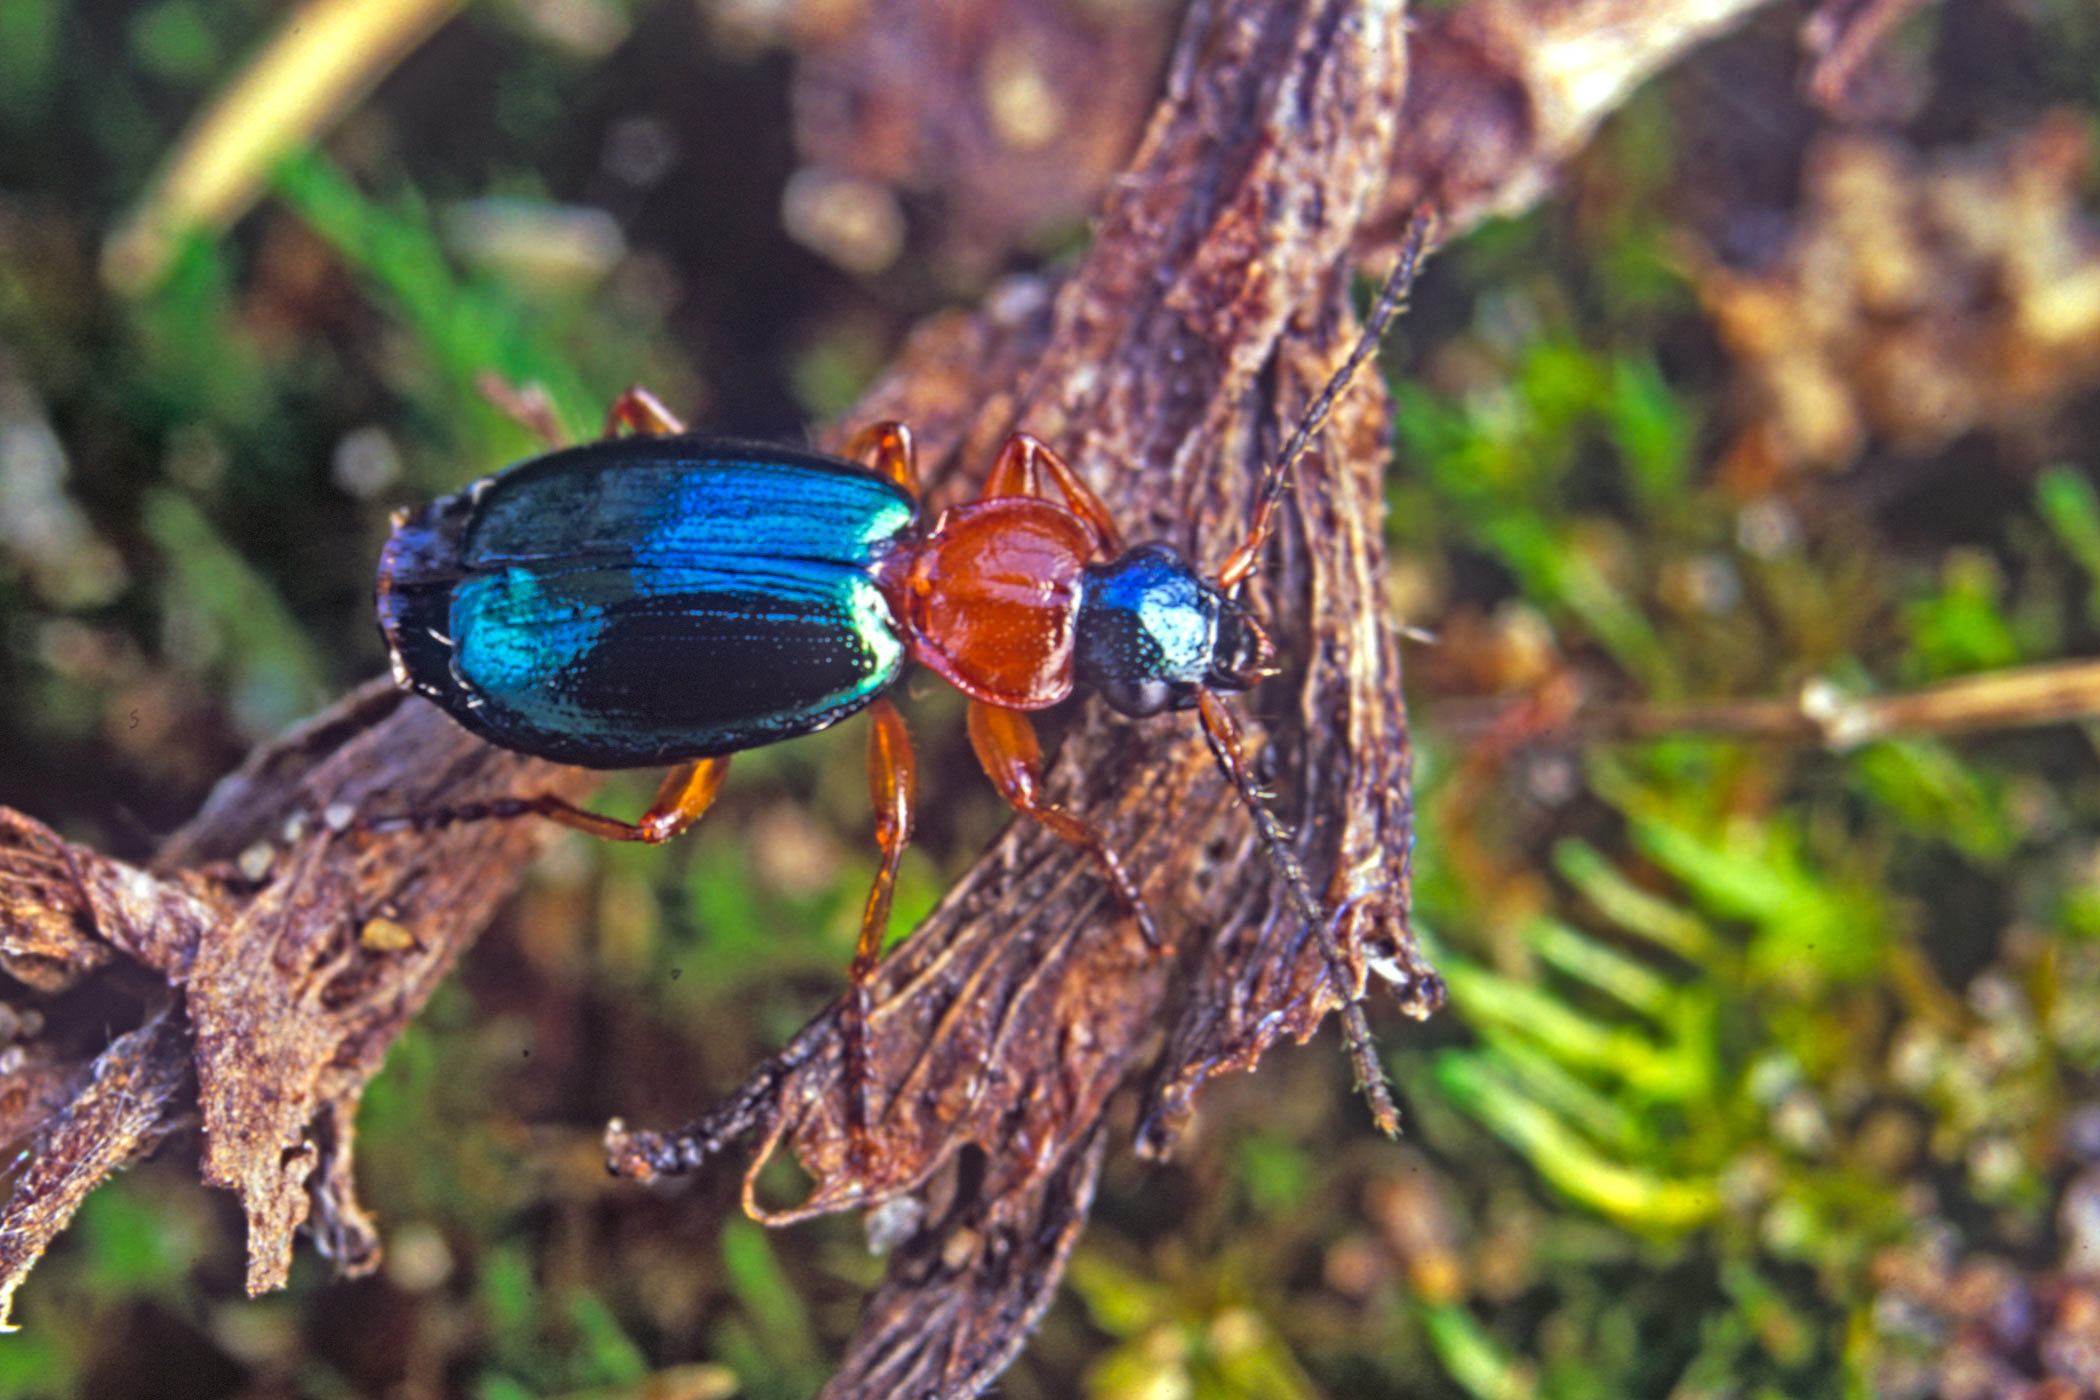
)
(656, 597)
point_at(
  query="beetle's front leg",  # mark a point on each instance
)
(1019, 470)
(1006, 746)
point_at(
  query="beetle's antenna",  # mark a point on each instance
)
(1222, 731)
(1243, 560)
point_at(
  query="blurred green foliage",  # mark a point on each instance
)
(1786, 1019)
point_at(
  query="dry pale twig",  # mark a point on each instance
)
(1818, 713)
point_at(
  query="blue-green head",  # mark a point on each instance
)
(1153, 632)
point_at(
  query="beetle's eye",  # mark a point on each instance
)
(1138, 699)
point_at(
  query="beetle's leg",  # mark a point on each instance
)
(527, 405)
(893, 780)
(1018, 471)
(682, 799)
(1006, 746)
(887, 448)
(684, 796)
(639, 411)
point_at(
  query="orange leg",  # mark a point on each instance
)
(887, 447)
(639, 411)
(1006, 746)
(893, 781)
(683, 799)
(1018, 471)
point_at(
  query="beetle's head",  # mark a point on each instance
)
(1152, 632)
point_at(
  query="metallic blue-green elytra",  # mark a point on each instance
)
(648, 599)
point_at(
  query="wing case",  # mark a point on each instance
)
(643, 600)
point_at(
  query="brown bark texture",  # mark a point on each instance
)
(276, 945)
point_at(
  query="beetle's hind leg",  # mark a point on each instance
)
(887, 448)
(683, 799)
(636, 410)
(527, 405)
(893, 785)
(639, 411)
(1006, 745)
